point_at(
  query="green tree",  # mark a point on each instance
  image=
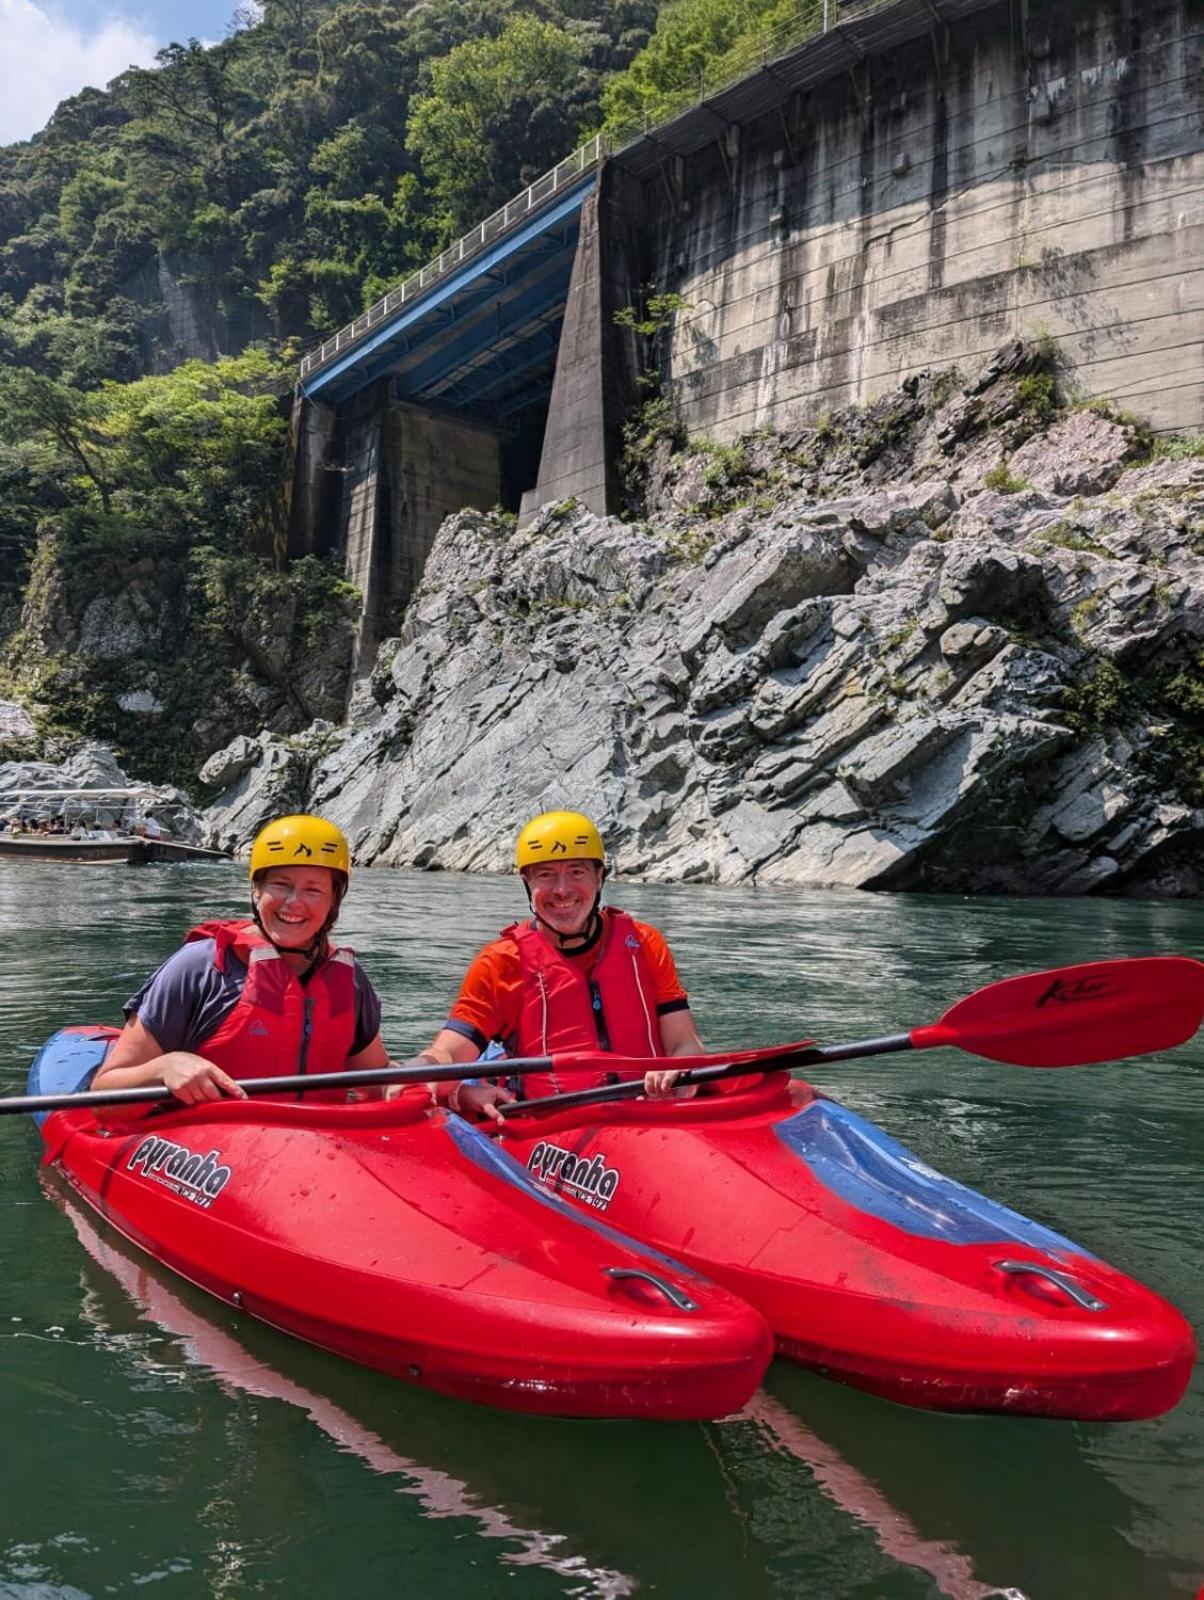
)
(192, 100)
(197, 449)
(499, 112)
(55, 426)
(81, 352)
(691, 37)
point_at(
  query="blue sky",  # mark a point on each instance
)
(166, 19)
(50, 49)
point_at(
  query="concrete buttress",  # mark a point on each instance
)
(597, 365)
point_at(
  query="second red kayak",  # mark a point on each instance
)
(868, 1265)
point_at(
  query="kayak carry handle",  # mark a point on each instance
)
(675, 1297)
(1068, 1286)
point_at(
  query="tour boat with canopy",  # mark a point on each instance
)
(94, 826)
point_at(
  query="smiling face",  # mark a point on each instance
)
(563, 893)
(294, 904)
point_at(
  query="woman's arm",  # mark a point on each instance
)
(373, 1054)
(137, 1059)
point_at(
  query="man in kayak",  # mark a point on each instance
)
(257, 998)
(576, 976)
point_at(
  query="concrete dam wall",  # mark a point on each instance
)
(906, 192)
(1035, 169)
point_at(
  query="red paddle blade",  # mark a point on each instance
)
(1073, 1016)
(591, 1060)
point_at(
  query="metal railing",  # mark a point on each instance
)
(753, 51)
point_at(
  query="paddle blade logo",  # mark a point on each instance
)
(1062, 993)
(591, 1182)
(193, 1177)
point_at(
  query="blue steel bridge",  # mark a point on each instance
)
(498, 374)
(476, 331)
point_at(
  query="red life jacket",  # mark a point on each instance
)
(612, 1007)
(279, 1028)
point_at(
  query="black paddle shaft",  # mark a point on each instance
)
(153, 1093)
(158, 1093)
(814, 1055)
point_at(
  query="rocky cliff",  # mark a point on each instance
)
(949, 642)
(134, 644)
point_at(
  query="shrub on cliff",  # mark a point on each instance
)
(699, 45)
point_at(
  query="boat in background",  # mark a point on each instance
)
(63, 848)
(117, 849)
(91, 827)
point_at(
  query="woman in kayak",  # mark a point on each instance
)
(260, 998)
(577, 976)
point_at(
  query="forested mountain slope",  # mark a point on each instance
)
(235, 202)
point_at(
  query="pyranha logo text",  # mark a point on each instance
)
(190, 1175)
(582, 1179)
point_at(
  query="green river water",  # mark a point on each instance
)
(156, 1444)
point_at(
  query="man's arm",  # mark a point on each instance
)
(679, 1037)
(448, 1047)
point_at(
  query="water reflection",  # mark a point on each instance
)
(743, 1448)
(203, 1344)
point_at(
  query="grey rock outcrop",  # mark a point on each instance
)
(16, 725)
(875, 672)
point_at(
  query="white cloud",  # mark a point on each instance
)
(43, 59)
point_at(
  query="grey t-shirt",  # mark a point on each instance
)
(188, 999)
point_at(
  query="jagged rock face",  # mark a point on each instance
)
(918, 685)
(121, 650)
(16, 725)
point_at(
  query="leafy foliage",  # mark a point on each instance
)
(196, 449)
(1166, 702)
(695, 40)
(525, 95)
(294, 170)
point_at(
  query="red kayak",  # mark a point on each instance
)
(409, 1242)
(868, 1265)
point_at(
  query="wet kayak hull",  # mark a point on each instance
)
(407, 1241)
(868, 1265)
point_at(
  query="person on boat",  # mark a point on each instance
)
(576, 976)
(259, 998)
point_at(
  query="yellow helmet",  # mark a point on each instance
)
(559, 836)
(300, 842)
